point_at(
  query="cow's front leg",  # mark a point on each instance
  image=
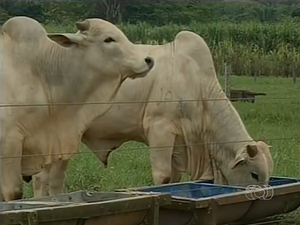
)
(57, 177)
(161, 140)
(52, 175)
(179, 160)
(11, 181)
(40, 182)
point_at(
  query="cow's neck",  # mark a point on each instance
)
(69, 79)
(226, 130)
(64, 72)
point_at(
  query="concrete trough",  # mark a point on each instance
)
(202, 203)
(86, 208)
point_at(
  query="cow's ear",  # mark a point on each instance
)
(238, 161)
(252, 150)
(263, 139)
(67, 40)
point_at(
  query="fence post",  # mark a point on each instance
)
(1, 196)
(227, 72)
(294, 76)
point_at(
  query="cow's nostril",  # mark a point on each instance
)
(150, 62)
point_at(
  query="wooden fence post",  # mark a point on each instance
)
(294, 76)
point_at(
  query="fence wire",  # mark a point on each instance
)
(138, 102)
(150, 147)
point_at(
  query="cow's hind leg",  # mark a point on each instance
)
(161, 140)
(1, 196)
(11, 175)
(57, 177)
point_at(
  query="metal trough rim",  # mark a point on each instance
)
(84, 210)
(222, 199)
(137, 189)
(71, 195)
(9, 206)
(198, 182)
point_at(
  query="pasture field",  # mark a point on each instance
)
(267, 51)
(273, 118)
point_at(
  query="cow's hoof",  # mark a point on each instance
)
(13, 196)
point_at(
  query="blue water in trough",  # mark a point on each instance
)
(275, 181)
(194, 190)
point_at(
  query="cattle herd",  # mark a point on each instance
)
(172, 101)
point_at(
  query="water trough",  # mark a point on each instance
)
(85, 208)
(203, 203)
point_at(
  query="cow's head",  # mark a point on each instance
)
(106, 49)
(253, 166)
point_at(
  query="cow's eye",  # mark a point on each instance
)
(254, 176)
(109, 40)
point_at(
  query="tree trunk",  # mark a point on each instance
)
(112, 10)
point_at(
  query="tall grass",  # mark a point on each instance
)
(252, 49)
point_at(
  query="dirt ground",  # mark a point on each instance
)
(284, 219)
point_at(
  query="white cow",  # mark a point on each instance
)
(184, 70)
(41, 68)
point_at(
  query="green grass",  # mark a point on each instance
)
(273, 118)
